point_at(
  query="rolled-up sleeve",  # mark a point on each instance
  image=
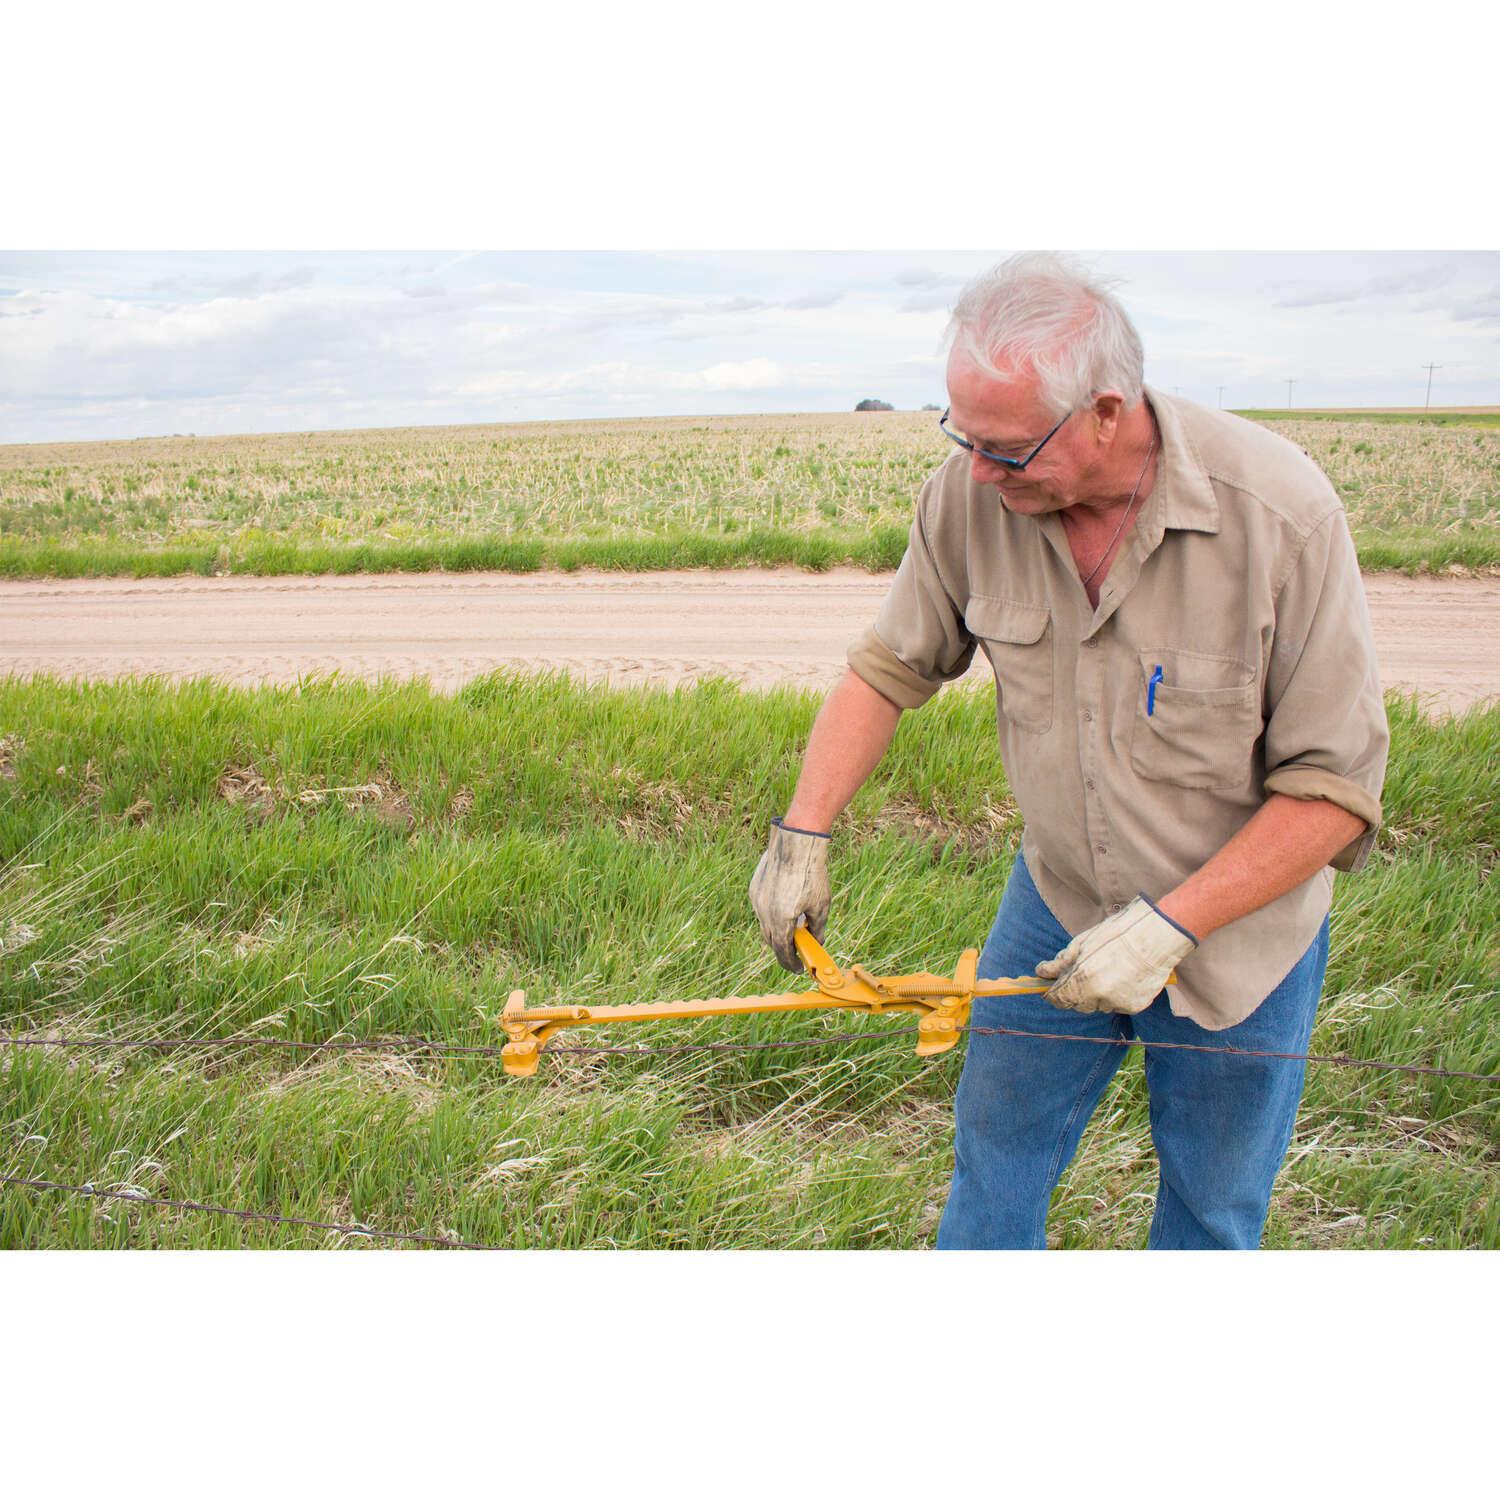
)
(918, 641)
(1326, 733)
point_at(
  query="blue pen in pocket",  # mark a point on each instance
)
(1151, 691)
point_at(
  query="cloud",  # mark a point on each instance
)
(247, 284)
(934, 301)
(689, 317)
(613, 377)
(1394, 283)
(746, 375)
(291, 340)
(923, 276)
(1391, 284)
(1481, 309)
(471, 298)
(1318, 299)
(73, 346)
(814, 301)
(102, 346)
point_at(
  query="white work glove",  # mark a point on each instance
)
(1119, 965)
(791, 882)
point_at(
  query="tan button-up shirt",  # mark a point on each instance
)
(1238, 591)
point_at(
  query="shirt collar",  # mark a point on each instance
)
(1183, 493)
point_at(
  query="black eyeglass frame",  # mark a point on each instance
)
(1015, 465)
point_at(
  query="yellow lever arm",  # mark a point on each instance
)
(941, 1002)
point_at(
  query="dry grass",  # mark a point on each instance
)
(1443, 478)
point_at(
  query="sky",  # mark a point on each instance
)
(1225, 166)
(97, 345)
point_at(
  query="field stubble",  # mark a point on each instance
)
(671, 492)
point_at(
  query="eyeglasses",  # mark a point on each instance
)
(1015, 465)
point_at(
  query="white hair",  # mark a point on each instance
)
(1046, 312)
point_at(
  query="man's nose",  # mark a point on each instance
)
(985, 470)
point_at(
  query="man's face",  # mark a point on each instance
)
(1008, 417)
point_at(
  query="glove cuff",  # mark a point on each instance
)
(811, 833)
(1165, 918)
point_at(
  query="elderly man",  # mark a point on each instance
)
(1190, 719)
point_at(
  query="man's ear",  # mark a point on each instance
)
(1107, 407)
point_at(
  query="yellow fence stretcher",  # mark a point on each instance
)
(942, 1003)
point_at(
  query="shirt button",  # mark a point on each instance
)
(1092, 641)
(1115, 906)
(1101, 849)
(1090, 784)
(1088, 718)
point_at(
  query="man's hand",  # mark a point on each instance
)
(1119, 965)
(790, 882)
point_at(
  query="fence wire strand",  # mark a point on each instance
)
(361, 1230)
(420, 1044)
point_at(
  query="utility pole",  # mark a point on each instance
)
(1221, 398)
(1429, 369)
(1289, 386)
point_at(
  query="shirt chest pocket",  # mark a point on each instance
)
(1197, 720)
(1018, 640)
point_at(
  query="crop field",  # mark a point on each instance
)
(344, 861)
(669, 493)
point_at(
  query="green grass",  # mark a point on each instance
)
(806, 491)
(380, 860)
(1480, 419)
(879, 549)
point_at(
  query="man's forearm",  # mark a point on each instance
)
(851, 733)
(1285, 843)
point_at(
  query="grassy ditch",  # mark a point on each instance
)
(806, 491)
(382, 861)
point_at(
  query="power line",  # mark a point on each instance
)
(1429, 368)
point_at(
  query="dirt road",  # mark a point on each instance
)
(754, 626)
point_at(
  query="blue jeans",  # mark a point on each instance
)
(1221, 1125)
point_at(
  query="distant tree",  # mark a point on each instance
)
(932, 406)
(871, 404)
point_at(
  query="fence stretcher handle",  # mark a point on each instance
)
(941, 1002)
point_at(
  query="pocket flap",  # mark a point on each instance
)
(1005, 620)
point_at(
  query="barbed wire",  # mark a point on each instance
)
(1341, 1060)
(89, 1190)
(379, 1044)
(422, 1044)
